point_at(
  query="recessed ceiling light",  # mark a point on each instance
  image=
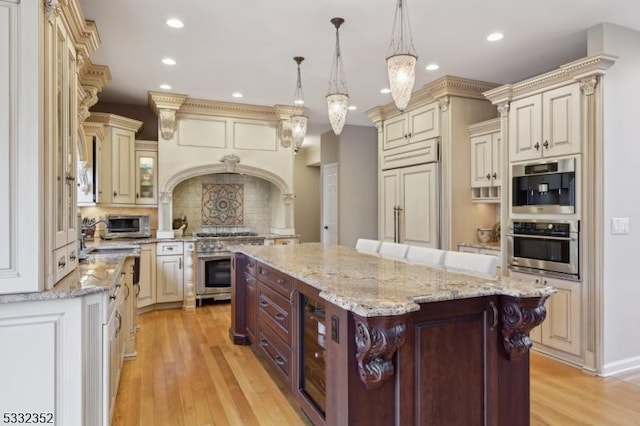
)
(495, 36)
(236, 95)
(352, 108)
(432, 67)
(165, 87)
(385, 90)
(299, 102)
(175, 23)
(168, 61)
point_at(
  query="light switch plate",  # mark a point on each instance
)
(619, 225)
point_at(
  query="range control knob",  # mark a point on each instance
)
(219, 245)
(550, 226)
(204, 247)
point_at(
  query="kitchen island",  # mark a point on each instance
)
(360, 339)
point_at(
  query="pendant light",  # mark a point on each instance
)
(298, 121)
(401, 62)
(338, 98)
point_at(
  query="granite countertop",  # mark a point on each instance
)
(370, 285)
(492, 245)
(98, 273)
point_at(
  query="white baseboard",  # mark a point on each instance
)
(622, 366)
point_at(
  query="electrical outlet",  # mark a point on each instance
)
(619, 225)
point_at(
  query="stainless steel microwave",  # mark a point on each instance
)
(544, 187)
(127, 226)
(545, 246)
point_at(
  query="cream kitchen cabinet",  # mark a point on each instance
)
(486, 160)
(545, 124)
(146, 182)
(169, 272)
(483, 250)
(39, 73)
(117, 167)
(411, 138)
(147, 285)
(561, 330)
(409, 205)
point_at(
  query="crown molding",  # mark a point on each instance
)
(441, 88)
(488, 126)
(93, 75)
(585, 68)
(94, 129)
(84, 33)
(162, 100)
(114, 120)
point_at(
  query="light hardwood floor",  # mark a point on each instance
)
(189, 373)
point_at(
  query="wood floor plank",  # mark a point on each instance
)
(189, 373)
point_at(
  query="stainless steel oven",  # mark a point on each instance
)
(545, 246)
(544, 187)
(213, 276)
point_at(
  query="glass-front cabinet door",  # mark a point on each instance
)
(146, 177)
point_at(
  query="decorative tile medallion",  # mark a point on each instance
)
(222, 204)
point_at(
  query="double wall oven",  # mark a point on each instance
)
(544, 231)
(213, 262)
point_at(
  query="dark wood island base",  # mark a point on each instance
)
(451, 362)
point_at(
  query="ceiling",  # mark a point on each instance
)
(248, 46)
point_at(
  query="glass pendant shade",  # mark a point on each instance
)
(401, 62)
(337, 104)
(402, 75)
(298, 131)
(338, 97)
(299, 121)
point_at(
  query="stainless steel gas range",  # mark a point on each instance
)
(213, 270)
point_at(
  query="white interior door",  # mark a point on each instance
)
(330, 203)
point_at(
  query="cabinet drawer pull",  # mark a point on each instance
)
(264, 343)
(170, 248)
(126, 297)
(318, 355)
(495, 315)
(137, 289)
(280, 281)
(279, 360)
(119, 323)
(279, 316)
(72, 257)
(250, 265)
(264, 272)
(264, 304)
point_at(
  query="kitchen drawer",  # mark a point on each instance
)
(169, 248)
(275, 310)
(278, 281)
(496, 253)
(251, 266)
(285, 241)
(277, 353)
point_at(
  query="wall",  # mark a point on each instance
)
(148, 131)
(621, 291)
(358, 184)
(187, 200)
(307, 213)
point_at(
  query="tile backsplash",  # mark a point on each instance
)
(204, 200)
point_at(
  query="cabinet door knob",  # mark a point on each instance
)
(494, 175)
(488, 176)
(137, 195)
(115, 194)
(537, 146)
(546, 144)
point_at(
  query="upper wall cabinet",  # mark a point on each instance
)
(146, 172)
(408, 139)
(486, 154)
(546, 124)
(117, 165)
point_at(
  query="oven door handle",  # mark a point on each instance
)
(541, 237)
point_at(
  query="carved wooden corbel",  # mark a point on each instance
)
(377, 340)
(588, 85)
(167, 122)
(443, 103)
(230, 162)
(51, 9)
(518, 317)
(286, 136)
(503, 109)
(90, 99)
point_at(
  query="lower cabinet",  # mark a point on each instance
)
(147, 285)
(561, 330)
(491, 252)
(169, 278)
